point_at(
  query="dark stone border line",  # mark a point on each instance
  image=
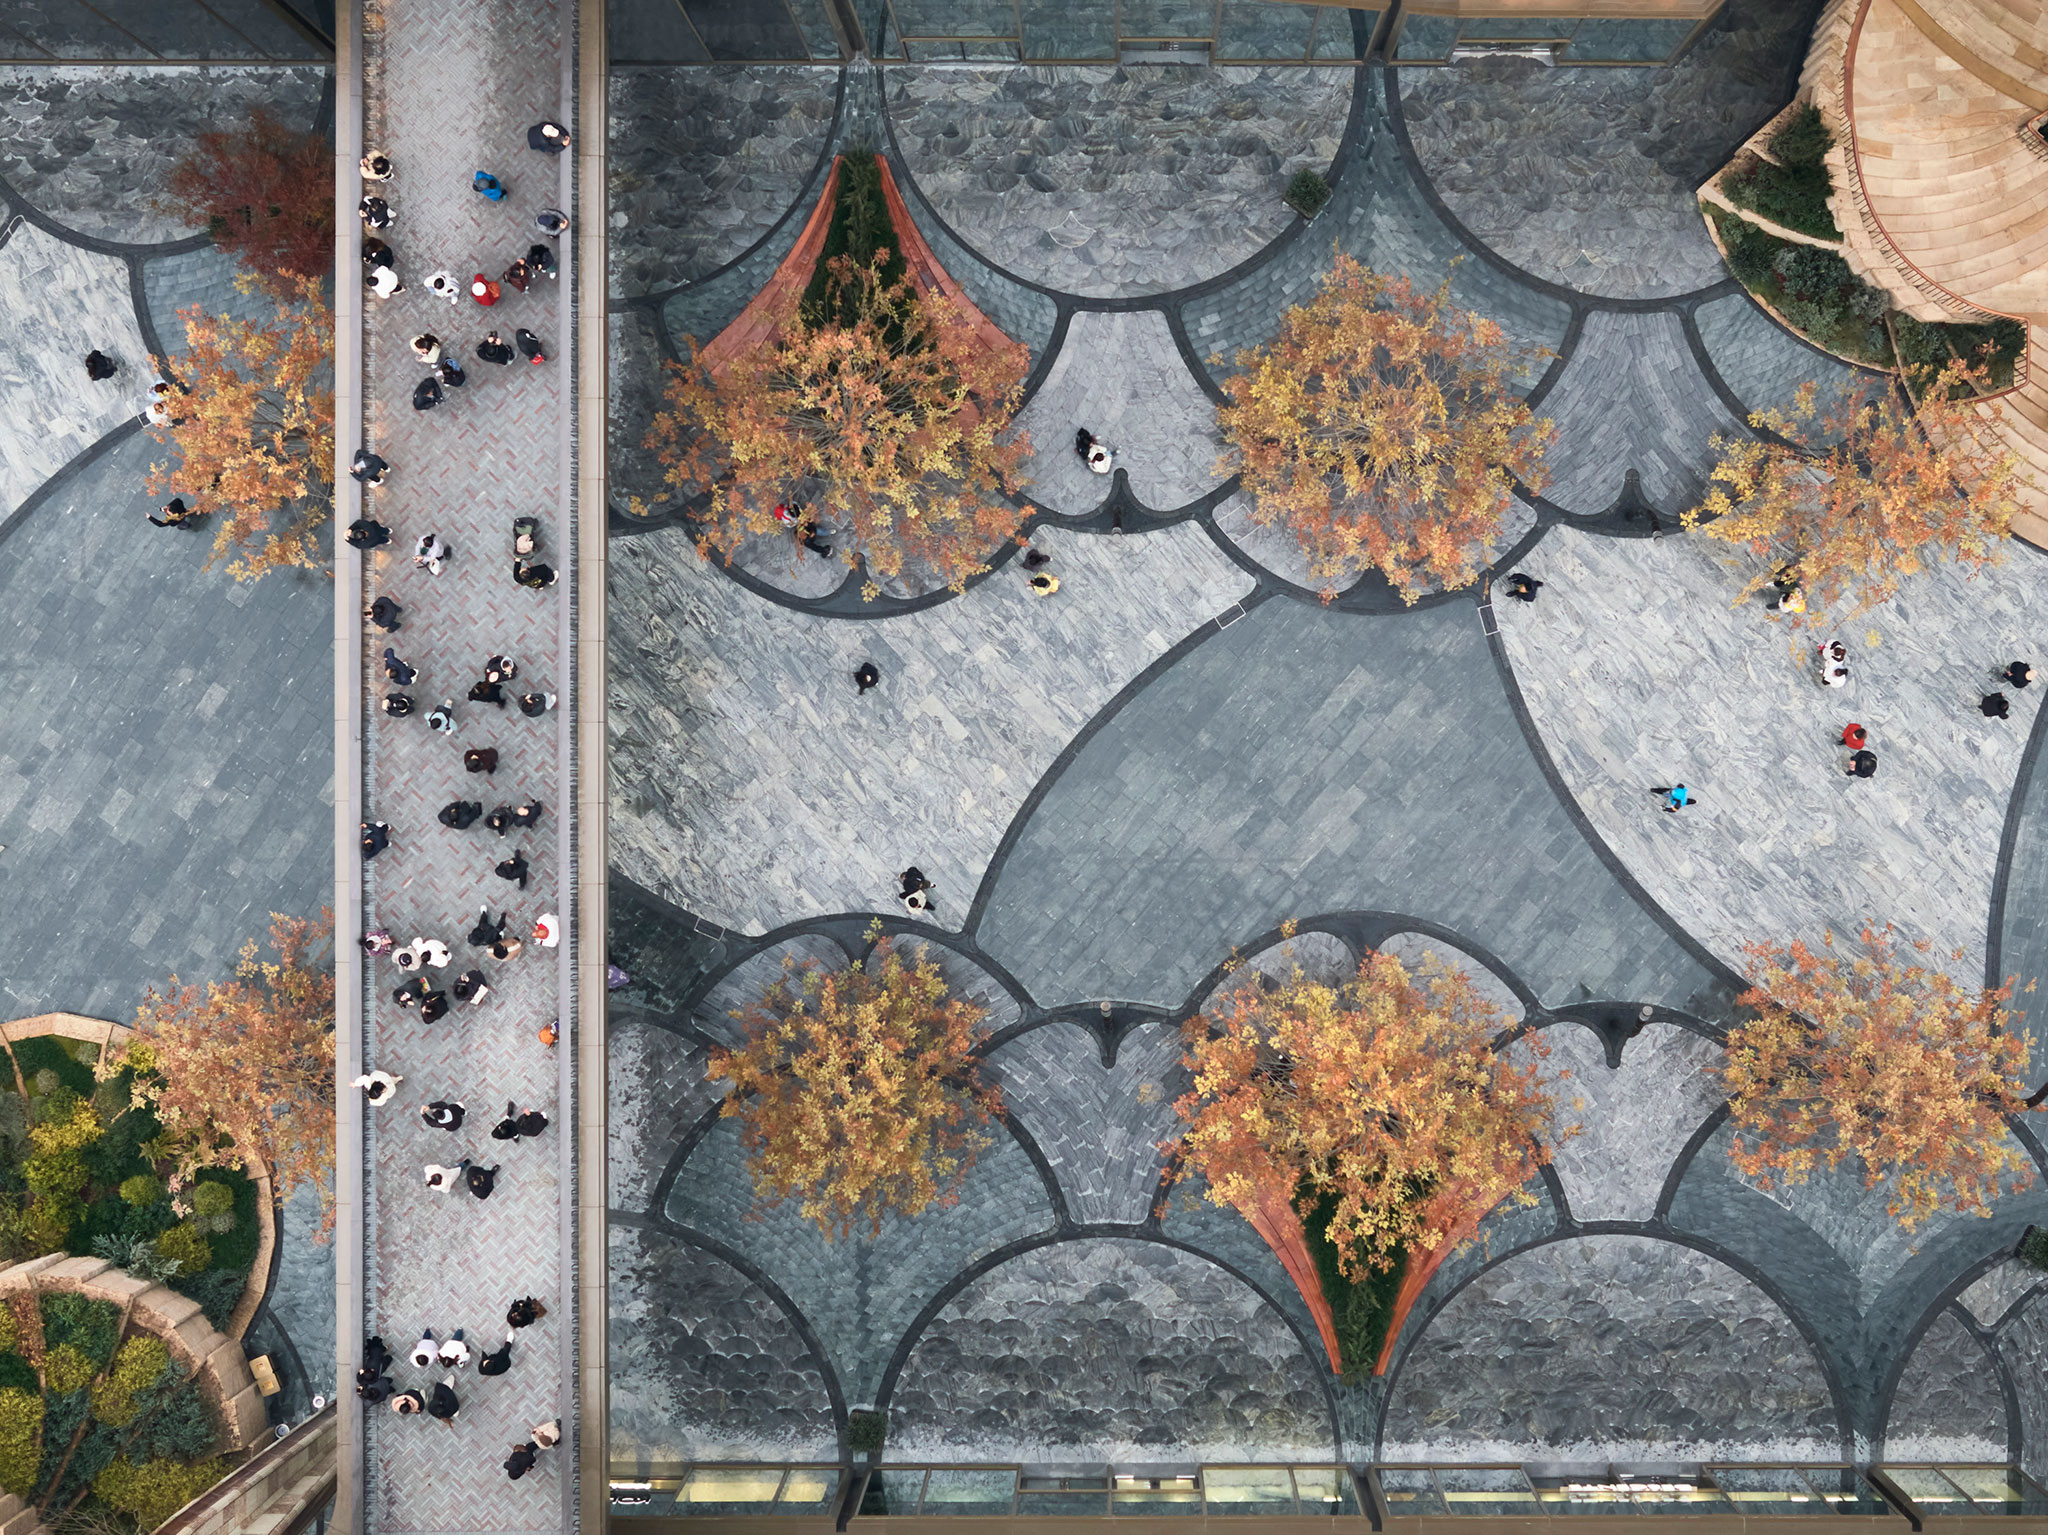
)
(2008, 847)
(748, 1270)
(1311, 1346)
(1418, 1325)
(98, 246)
(806, 195)
(69, 471)
(1689, 1153)
(1947, 1299)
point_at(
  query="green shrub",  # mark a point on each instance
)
(217, 1290)
(1307, 194)
(1804, 139)
(187, 1245)
(2033, 1247)
(154, 1491)
(94, 1454)
(213, 1198)
(1795, 196)
(860, 228)
(236, 1249)
(865, 1430)
(141, 1190)
(62, 1416)
(118, 1155)
(91, 1326)
(21, 1431)
(140, 1365)
(53, 1053)
(1749, 256)
(10, 1327)
(1362, 1309)
(17, 1373)
(175, 1419)
(66, 1370)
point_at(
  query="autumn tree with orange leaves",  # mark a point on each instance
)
(1383, 1098)
(1878, 1062)
(1381, 429)
(1860, 495)
(244, 1068)
(857, 1091)
(254, 433)
(265, 192)
(889, 423)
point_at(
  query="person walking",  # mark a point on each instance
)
(547, 1435)
(540, 261)
(1834, 664)
(865, 676)
(500, 819)
(548, 136)
(384, 614)
(449, 372)
(471, 987)
(520, 1461)
(408, 1403)
(454, 1352)
(500, 669)
(1676, 798)
(483, 290)
(552, 222)
(1854, 736)
(430, 554)
(529, 346)
(537, 575)
(376, 838)
(367, 468)
(547, 930)
(524, 1312)
(461, 814)
(367, 533)
(493, 349)
(486, 932)
(517, 276)
(432, 952)
(534, 705)
(373, 1386)
(481, 1180)
(376, 942)
(1043, 585)
(444, 1404)
(443, 285)
(513, 868)
(486, 692)
(410, 993)
(382, 281)
(433, 1007)
(397, 705)
(376, 166)
(1994, 706)
(377, 1086)
(426, 394)
(2018, 675)
(527, 813)
(442, 1115)
(426, 346)
(497, 1361)
(1523, 588)
(176, 513)
(916, 890)
(374, 212)
(99, 367)
(442, 717)
(426, 1351)
(480, 759)
(487, 186)
(1862, 764)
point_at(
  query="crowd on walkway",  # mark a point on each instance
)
(495, 942)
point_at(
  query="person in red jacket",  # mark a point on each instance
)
(483, 290)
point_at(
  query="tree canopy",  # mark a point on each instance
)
(1878, 1062)
(265, 192)
(1381, 429)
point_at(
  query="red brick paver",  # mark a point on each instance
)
(450, 89)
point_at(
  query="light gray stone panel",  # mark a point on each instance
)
(1994, 1294)
(1948, 1405)
(1638, 672)
(704, 1365)
(751, 785)
(1100, 1128)
(1632, 1122)
(744, 985)
(56, 304)
(1109, 1350)
(656, 1089)
(1422, 954)
(1121, 377)
(1276, 548)
(2023, 1345)
(1610, 1348)
(1112, 181)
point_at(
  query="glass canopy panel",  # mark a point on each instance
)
(1767, 1490)
(957, 18)
(963, 1491)
(1325, 1490)
(1487, 29)
(1487, 1490)
(1410, 1490)
(729, 1490)
(1426, 37)
(1263, 1490)
(809, 1490)
(1334, 37)
(1168, 18)
(892, 1490)
(1996, 1490)
(745, 29)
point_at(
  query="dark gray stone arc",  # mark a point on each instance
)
(806, 195)
(1949, 1301)
(1688, 1153)
(754, 1275)
(1581, 303)
(1145, 1233)
(28, 211)
(77, 465)
(2008, 842)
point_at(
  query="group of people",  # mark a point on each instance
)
(425, 959)
(450, 1356)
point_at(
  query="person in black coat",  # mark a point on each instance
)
(496, 1362)
(450, 374)
(411, 992)
(481, 1180)
(524, 1312)
(471, 986)
(175, 514)
(376, 1357)
(374, 1389)
(480, 759)
(374, 212)
(376, 838)
(98, 365)
(487, 692)
(441, 1115)
(1994, 706)
(426, 394)
(520, 1461)
(538, 575)
(444, 1404)
(548, 136)
(384, 614)
(493, 349)
(461, 813)
(368, 533)
(486, 932)
(396, 669)
(1862, 764)
(513, 868)
(433, 1006)
(529, 346)
(367, 468)
(397, 705)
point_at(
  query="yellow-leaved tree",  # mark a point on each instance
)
(254, 433)
(1860, 494)
(1379, 1099)
(857, 1089)
(1878, 1062)
(883, 413)
(1380, 428)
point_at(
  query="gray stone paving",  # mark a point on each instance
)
(203, 279)
(2023, 1345)
(1633, 1121)
(743, 986)
(1279, 551)
(1380, 216)
(1632, 397)
(705, 160)
(1765, 364)
(1948, 1405)
(1424, 955)
(1630, 694)
(712, 688)
(1116, 181)
(301, 1296)
(1301, 762)
(1610, 1347)
(1994, 1296)
(1121, 377)
(1587, 177)
(165, 780)
(1100, 1127)
(2023, 945)
(860, 1293)
(449, 88)
(728, 1378)
(658, 1091)
(1108, 1350)
(93, 148)
(56, 304)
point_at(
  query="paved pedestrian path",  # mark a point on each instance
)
(450, 90)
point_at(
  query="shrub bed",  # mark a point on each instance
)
(82, 1172)
(96, 1427)
(1363, 1308)
(860, 227)
(1924, 350)
(1795, 196)
(1812, 289)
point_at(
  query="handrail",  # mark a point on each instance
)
(1967, 310)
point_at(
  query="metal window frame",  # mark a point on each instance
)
(1391, 40)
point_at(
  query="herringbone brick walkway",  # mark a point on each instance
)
(450, 89)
